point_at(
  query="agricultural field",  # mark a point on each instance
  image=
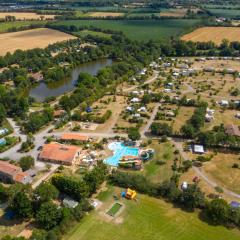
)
(214, 34)
(142, 30)
(84, 33)
(29, 39)
(105, 14)
(26, 15)
(6, 26)
(226, 13)
(173, 12)
(148, 218)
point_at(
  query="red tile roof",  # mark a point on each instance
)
(59, 152)
(74, 136)
(8, 168)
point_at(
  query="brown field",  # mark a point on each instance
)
(105, 14)
(215, 34)
(34, 38)
(220, 170)
(174, 13)
(26, 15)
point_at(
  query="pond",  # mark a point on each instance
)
(42, 90)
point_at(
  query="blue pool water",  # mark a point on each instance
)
(119, 150)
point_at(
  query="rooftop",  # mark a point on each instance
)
(59, 152)
(74, 136)
(232, 130)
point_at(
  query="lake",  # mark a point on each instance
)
(42, 90)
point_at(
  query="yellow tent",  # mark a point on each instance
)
(130, 194)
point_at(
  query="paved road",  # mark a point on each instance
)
(150, 80)
(200, 172)
(150, 121)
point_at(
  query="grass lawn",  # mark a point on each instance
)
(143, 30)
(159, 172)
(148, 218)
(5, 26)
(220, 170)
(226, 13)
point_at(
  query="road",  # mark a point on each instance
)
(150, 80)
(150, 121)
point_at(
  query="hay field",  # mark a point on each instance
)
(29, 39)
(25, 15)
(174, 13)
(215, 34)
(105, 14)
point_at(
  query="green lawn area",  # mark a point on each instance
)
(148, 218)
(159, 172)
(84, 33)
(5, 26)
(143, 30)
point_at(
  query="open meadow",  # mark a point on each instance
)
(142, 30)
(26, 15)
(29, 39)
(214, 34)
(147, 218)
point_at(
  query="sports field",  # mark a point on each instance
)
(215, 34)
(142, 30)
(148, 218)
(29, 39)
(25, 15)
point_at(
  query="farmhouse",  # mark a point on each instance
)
(74, 137)
(10, 173)
(60, 153)
(36, 76)
(232, 130)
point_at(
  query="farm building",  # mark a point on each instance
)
(60, 153)
(223, 103)
(10, 173)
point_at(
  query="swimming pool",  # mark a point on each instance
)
(119, 150)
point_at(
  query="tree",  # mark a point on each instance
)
(46, 192)
(218, 211)
(133, 134)
(26, 162)
(161, 129)
(192, 197)
(48, 215)
(38, 234)
(2, 113)
(22, 205)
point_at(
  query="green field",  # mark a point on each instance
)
(148, 218)
(84, 33)
(226, 13)
(140, 29)
(160, 172)
(5, 26)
